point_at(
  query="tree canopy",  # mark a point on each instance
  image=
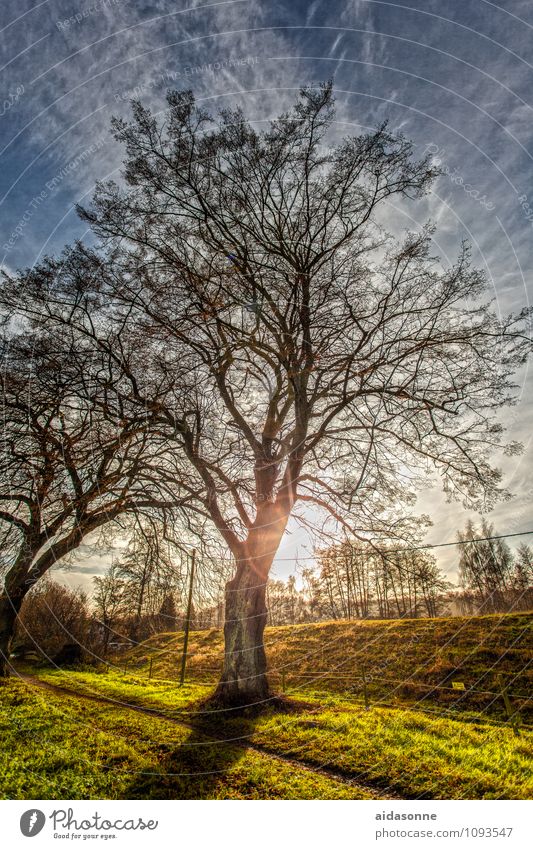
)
(295, 352)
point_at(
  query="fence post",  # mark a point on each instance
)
(365, 690)
(151, 667)
(187, 621)
(511, 714)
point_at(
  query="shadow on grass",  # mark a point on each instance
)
(201, 767)
(206, 764)
(198, 768)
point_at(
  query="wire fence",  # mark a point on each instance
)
(464, 691)
(367, 690)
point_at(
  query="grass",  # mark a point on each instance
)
(404, 660)
(401, 751)
(422, 757)
(413, 742)
(63, 747)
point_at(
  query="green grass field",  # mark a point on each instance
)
(106, 734)
(404, 661)
(64, 747)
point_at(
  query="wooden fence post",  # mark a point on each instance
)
(187, 621)
(151, 667)
(365, 690)
(511, 714)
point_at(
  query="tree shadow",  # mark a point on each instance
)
(199, 767)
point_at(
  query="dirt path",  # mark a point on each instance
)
(327, 772)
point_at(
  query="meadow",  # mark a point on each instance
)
(114, 732)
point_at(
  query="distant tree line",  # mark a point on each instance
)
(356, 582)
(144, 592)
(361, 582)
(63, 624)
(493, 579)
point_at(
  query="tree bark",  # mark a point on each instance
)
(29, 568)
(9, 608)
(244, 681)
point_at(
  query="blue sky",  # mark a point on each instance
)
(456, 77)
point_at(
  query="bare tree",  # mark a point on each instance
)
(150, 572)
(522, 578)
(485, 566)
(301, 357)
(110, 608)
(493, 578)
(73, 459)
(434, 587)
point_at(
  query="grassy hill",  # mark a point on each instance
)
(395, 661)
(114, 733)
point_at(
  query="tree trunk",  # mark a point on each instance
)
(244, 680)
(9, 609)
